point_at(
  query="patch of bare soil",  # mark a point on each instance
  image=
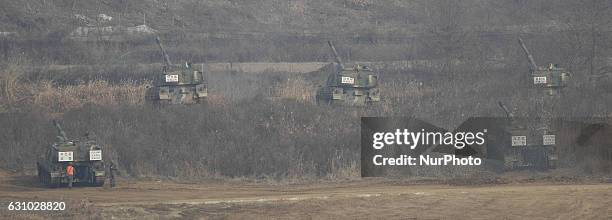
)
(363, 199)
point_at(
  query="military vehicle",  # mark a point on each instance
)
(177, 84)
(85, 156)
(355, 86)
(551, 77)
(531, 143)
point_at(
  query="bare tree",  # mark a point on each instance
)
(587, 23)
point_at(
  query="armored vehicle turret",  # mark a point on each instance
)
(551, 77)
(355, 86)
(177, 84)
(530, 143)
(84, 155)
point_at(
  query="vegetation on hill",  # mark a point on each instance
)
(267, 124)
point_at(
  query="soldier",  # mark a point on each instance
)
(112, 169)
(70, 173)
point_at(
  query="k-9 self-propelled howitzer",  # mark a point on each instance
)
(551, 78)
(530, 144)
(84, 155)
(355, 86)
(177, 84)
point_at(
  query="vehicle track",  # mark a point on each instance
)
(369, 198)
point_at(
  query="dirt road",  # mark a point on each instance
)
(363, 199)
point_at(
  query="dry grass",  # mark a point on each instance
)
(100, 92)
(59, 99)
(295, 89)
(241, 133)
(10, 88)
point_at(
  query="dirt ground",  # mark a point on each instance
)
(361, 199)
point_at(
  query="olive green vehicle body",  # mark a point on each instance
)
(85, 156)
(177, 84)
(531, 143)
(357, 86)
(551, 78)
(512, 143)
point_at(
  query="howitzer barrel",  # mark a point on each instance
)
(166, 57)
(532, 64)
(60, 131)
(336, 57)
(508, 113)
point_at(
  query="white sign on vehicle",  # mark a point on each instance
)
(347, 80)
(64, 156)
(539, 80)
(172, 78)
(549, 139)
(519, 140)
(95, 155)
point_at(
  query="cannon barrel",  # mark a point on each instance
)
(508, 113)
(166, 57)
(60, 131)
(532, 64)
(336, 57)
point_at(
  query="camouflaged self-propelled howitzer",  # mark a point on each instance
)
(85, 156)
(552, 77)
(532, 145)
(177, 84)
(355, 86)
